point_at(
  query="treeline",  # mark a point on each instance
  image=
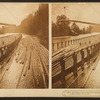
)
(63, 27)
(37, 24)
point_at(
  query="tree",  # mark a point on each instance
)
(75, 29)
(61, 27)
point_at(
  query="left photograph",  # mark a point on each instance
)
(24, 49)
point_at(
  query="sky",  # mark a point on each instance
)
(89, 12)
(14, 13)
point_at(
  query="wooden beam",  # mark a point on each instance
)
(84, 22)
(7, 24)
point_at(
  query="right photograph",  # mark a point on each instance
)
(76, 45)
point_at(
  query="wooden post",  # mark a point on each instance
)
(70, 42)
(62, 63)
(61, 44)
(82, 59)
(57, 45)
(52, 46)
(88, 53)
(0, 54)
(65, 43)
(96, 48)
(91, 51)
(2, 57)
(75, 63)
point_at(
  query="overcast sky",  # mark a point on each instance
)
(14, 13)
(89, 12)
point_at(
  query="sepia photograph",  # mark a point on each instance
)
(24, 49)
(76, 46)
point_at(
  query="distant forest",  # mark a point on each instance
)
(34, 24)
(37, 24)
(63, 27)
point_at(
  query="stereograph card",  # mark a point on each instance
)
(49, 49)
